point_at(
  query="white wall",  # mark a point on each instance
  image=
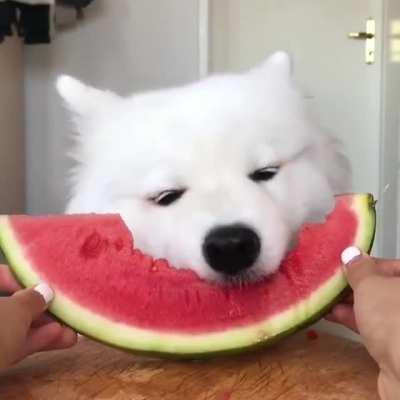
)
(12, 183)
(123, 45)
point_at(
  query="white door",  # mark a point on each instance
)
(346, 93)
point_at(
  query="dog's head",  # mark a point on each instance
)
(216, 176)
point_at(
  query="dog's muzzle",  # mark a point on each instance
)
(231, 249)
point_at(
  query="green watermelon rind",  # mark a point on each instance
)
(176, 345)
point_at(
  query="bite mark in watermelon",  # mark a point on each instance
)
(110, 291)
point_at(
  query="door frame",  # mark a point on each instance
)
(388, 232)
(204, 37)
(388, 222)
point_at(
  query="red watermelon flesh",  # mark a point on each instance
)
(109, 290)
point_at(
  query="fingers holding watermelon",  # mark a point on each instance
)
(25, 329)
(343, 313)
(8, 284)
(374, 313)
(359, 267)
(50, 336)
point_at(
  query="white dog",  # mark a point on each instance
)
(216, 176)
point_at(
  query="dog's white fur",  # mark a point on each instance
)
(205, 137)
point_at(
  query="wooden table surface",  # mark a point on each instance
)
(326, 368)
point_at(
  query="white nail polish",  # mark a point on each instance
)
(46, 291)
(350, 254)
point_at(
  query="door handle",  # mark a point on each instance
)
(361, 35)
(370, 40)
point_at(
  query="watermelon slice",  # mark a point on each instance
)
(112, 292)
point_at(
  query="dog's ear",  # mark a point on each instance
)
(278, 65)
(83, 100)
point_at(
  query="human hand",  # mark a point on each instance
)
(375, 313)
(343, 313)
(24, 328)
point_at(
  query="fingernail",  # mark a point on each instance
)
(350, 254)
(46, 291)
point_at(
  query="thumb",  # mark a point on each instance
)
(357, 266)
(33, 302)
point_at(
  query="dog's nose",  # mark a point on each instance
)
(231, 249)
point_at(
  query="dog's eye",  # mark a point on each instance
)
(167, 197)
(264, 174)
